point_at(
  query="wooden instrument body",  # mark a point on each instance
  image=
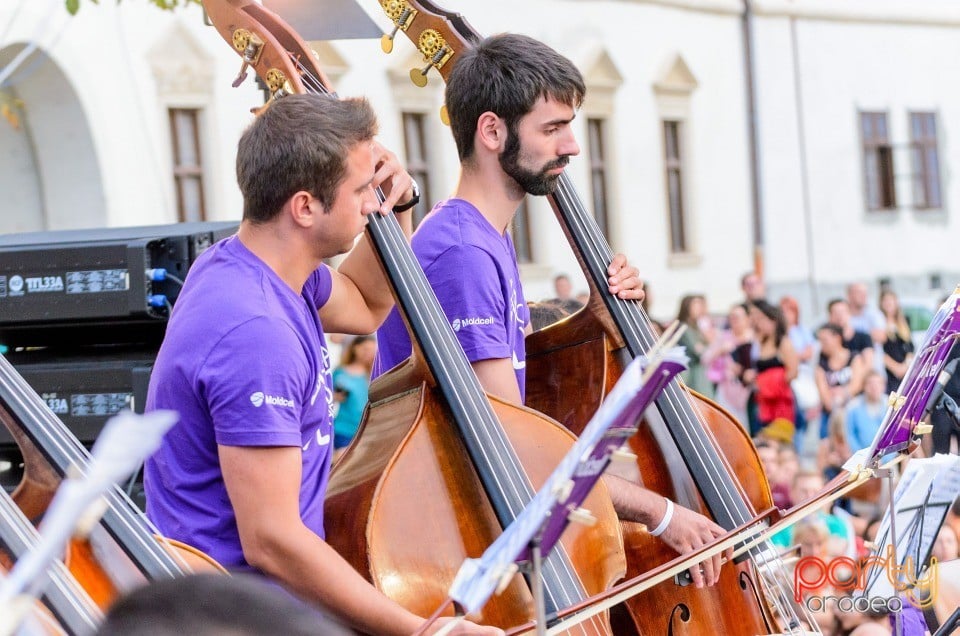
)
(405, 506)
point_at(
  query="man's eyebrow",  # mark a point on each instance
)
(559, 121)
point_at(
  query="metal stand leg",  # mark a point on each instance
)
(536, 585)
(898, 615)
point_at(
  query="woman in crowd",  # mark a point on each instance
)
(350, 383)
(774, 368)
(839, 373)
(697, 339)
(802, 338)
(898, 348)
(734, 349)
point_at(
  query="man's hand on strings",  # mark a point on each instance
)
(689, 531)
(624, 280)
(390, 176)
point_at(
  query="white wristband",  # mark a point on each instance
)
(667, 516)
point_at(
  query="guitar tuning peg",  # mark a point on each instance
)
(419, 76)
(444, 115)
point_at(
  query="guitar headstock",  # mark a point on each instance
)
(439, 35)
(268, 45)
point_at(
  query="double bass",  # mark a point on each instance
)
(438, 468)
(573, 364)
(122, 550)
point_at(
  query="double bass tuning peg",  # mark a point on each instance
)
(402, 15)
(419, 75)
(386, 41)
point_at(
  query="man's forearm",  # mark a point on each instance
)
(634, 502)
(309, 567)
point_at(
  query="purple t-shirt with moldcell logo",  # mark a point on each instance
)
(473, 270)
(245, 363)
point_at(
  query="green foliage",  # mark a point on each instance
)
(74, 5)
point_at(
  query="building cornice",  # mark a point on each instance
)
(941, 13)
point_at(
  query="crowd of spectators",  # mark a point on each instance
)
(810, 398)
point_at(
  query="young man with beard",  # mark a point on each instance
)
(243, 474)
(511, 102)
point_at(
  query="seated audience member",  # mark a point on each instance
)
(811, 536)
(780, 431)
(802, 338)
(564, 298)
(789, 466)
(351, 381)
(834, 449)
(858, 342)
(214, 605)
(544, 314)
(863, 316)
(946, 547)
(807, 485)
(805, 344)
(953, 516)
(865, 412)
(769, 456)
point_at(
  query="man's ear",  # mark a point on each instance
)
(491, 132)
(301, 211)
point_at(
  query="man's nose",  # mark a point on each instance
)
(370, 203)
(569, 145)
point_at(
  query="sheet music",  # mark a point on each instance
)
(923, 496)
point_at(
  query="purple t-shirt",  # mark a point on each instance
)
(245, 363)
(473, 270)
